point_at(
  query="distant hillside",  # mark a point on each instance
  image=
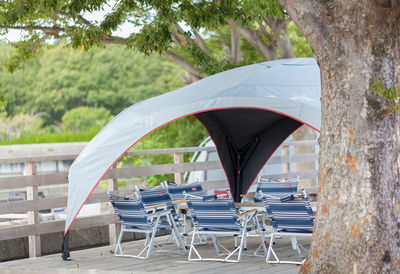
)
(60, 79)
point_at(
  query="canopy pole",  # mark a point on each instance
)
(238, 178)
(65, 252)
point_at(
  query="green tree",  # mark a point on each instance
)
(14, 127)
(179, 30)
(83, 118)
(61, 79)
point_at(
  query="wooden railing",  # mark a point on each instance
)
(31, 181)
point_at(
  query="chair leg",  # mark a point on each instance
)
(214, 239)
(177, 236)
(150, 246)
(270, 250)
(262, 236)
(118, 245)
(295, 245)
(193, 248)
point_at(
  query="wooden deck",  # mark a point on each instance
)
(102, 260)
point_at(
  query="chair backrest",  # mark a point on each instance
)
(177, 192)
(214, 215)
(130, 212)
(290, 216)
(276, 188)
(152, 197)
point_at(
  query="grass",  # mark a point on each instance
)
(53, 137)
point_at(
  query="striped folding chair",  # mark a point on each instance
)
(158, 199)
(134, 218)
(217, 218)
(154, 199)
(177, 192)
(276, 188)
(290, 216)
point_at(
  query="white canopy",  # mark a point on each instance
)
(283, 88)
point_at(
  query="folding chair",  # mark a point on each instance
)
(157, 199)
(276, 188)
(177, 192)
(290, 216)
(154, 199)
(134, 218)
(216, 218)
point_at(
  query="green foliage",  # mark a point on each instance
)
(46, 136)
(155, 24)
(300, 45)
(392, 93)
(82, 118)
(14, 127)
(3, 101)
(184, 132)
(61, 79)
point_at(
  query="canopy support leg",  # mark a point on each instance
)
(65, 252)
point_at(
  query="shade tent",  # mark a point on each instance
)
(248, 112)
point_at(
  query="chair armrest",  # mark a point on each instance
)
(248, 195)
(159, 212)
(155, 206)
(247, 212)
(178, 202)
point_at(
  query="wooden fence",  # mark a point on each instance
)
(31, 182)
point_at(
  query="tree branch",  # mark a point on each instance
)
(44, 29)
(235, 55)
(254, 38)
(199, 41)
(182, 63)
(313, 27)
(113, 40)
(279, 29)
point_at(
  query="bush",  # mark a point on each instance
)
(14, 127)
(52, 137)
(83, 118)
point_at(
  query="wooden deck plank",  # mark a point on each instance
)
(102, 260)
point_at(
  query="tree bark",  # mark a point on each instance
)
(358, 216)
(279, 29)
(235, 54)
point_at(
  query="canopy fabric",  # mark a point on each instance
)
(248, 112)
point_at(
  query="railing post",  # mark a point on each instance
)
(178, 159)
(113, 229)
(33, 216)
(285, 166)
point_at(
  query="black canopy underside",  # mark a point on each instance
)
(245, 139)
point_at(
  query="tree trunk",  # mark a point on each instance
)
(357, 226)
(285, 46)
(235, 54)
(279, 29)
(268, 53)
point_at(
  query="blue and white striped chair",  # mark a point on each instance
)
(216, 218)
(276, 188)
(176, 192)
(157, 199)
(154, 199)
(290, 216)
(134, 218)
